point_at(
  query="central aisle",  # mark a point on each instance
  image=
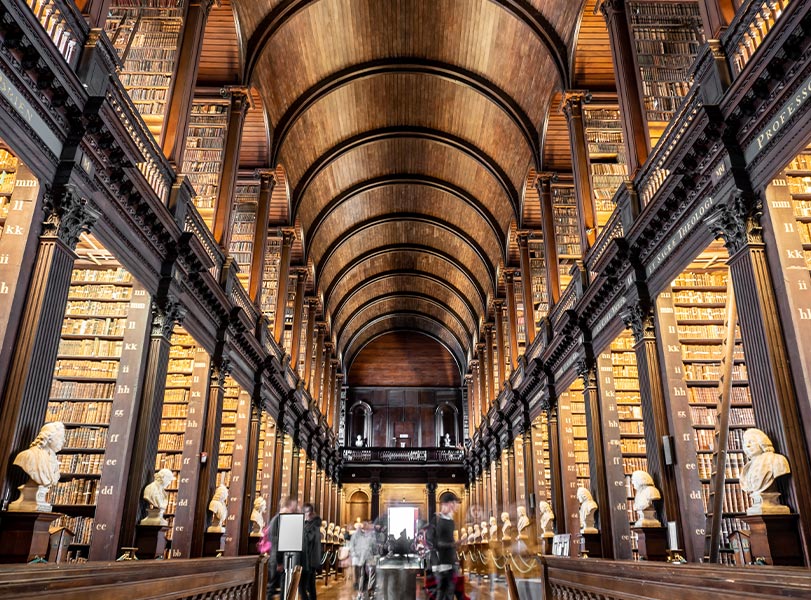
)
(342, 590)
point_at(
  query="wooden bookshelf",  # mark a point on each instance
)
(537, 269)
(228, 432)
(699, 296)
(287, 459)
(520, 315)
(83, 388)
(238, 475)
(289, 308)
(574, 456)
(667, 36)
(540, 448)
(171, 440)
(567, 231)
(146, 36)
(203, 156)
(270, 277)
(302, 351)
(8, 179)
(606, 152)
(798, 179)
(243, 225)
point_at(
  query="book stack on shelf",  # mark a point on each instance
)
(629, 412)
(520, 314)
(203, 156)
(699, 298)
(228, 432)
(667, 36)
(567, 231)
(270, 277)
(289, 308)
(82, 388)
(8, 177)
(540, 448)
(246, 197)
(302, 347)
(579, 433)
(287, 461)
(798, 178)
(146, 36)
(175, 413)
(537, 269)
(505, 327)
(606, 150)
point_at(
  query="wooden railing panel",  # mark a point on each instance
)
(239, 578)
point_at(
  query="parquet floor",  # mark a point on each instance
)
(475, 589)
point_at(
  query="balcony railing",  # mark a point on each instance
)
(403, 455)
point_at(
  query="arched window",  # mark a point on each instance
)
(447, 422)
(360, 424)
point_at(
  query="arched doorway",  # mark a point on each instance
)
(359, 507)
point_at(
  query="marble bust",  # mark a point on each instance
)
(258, 515)
(523, 522)
(506, 526)
(157, 499)
(587, 509)
(547, 518)
(330, 532)
(323, 531)
(477, 533)
(463, 535)
(485, 531)
(446, 441)
(359, 441)
(493, 529)
(644, 497)
(219, 509)
(759, 474)
(40, 463)
(471, 533)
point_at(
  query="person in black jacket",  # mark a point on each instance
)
(441, 540)
(311, 553)
(276, 582)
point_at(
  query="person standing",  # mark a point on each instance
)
(361, 548)
(311, 553)
(441, 540)
(275, 560)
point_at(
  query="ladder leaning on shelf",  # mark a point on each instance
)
(719, 456)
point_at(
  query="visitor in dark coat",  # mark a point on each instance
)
(311, 553)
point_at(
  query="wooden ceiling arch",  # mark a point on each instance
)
(524, 11)
(453, 73)
(413, 283)
(357, 307)
(403, 322)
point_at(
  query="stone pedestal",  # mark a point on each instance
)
(592, 545)
(24, 535)
(652, 543)
(546, 543)
(213, 543)
(775, 539)
(150, 541)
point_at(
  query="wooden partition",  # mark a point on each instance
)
(618, 580)
(243, 578)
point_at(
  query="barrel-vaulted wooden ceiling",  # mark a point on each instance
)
(407, 130)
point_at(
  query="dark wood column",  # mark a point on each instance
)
(556, 482)
(148, 421)
(550, 247)
(237, 521)
(499, 496)
(774, 399)
(28, 383)
(640, 320)
(288, 236)
(321, 398)
(181, 94)
(430, 489)
(318, 476)
(278, 458)
(501, 347)
(526, 285)
(529, 479)
(211, 447)
(512, 491)
(634, 124)
(716, 16)
(512, 316)
(330, 403)
(468, 433)
(240, 102)
(492, 394)
(483, 405)
(475, 382)
(298, 314)
(267, 182)
(252, 462)
(375, 487)
(599, 476)
(573, 109)
(95, 11)
(315, 387)
(308, 479)
(294, 466)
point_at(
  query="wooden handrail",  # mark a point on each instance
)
(241, 578)
(576, 579)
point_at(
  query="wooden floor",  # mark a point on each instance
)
(476, 590)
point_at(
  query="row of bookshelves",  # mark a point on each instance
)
(734, 464)
(94, 413)
(735, 501)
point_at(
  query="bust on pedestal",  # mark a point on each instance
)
(150, 536)
(215, 534)
(506, 527)
(484, 532)
(24, 527)
(773, 529)
(523, 523)
(547, 524)
(591, 545)
(493, 530)
(258, 515)
(652, 536)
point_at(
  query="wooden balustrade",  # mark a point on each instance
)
(239, 578)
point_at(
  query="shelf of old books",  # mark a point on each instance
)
(146, 36)
(8, 178)
(270, 277)
(246, 197)
(567, 231)
(228, 432)
(667, 36)
(540, 450)
(203, 156)
(302, 352)
(574, 449)
(520, 315)
(537, 269)
(798, 179)
(289, 307)
(88, 380)
(606, 151)
(287, 460)
(699, 296)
